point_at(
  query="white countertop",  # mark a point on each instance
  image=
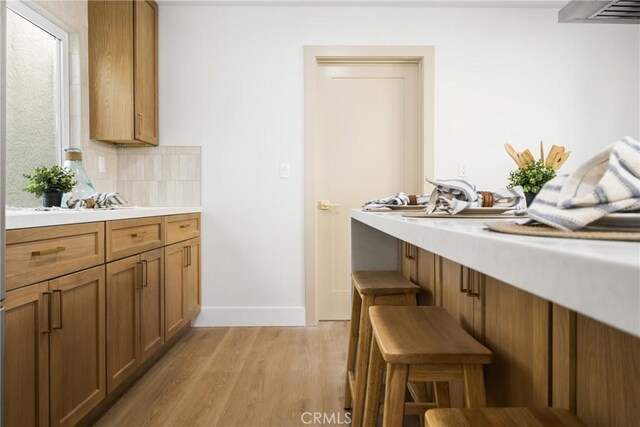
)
(600, 279)
(27, 218)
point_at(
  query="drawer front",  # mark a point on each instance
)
(37, 254)
(133, 236)
(182, 227)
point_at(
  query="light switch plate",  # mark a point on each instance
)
(285, 171)
(463, 169)
(102, 164)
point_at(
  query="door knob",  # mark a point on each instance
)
(325, 205)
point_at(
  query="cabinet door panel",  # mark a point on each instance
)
(77, 345)
(192, 277)
(408, 264)
(26, 365)
(607, 375)
(175, 316)
(145, 70)
(123, 308)
(453, 293)
(517, 330)
(152, 303)
(426, 274)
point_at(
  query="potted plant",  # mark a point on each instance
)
(531, 178)
(50, 184)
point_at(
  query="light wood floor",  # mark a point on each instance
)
(240, 377)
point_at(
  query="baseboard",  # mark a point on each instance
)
(250, 316)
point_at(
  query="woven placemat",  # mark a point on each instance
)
(546, 231)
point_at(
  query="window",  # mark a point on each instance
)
(37, 88)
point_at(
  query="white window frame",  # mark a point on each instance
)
(28, 10)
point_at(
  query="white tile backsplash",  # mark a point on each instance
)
(159, 176)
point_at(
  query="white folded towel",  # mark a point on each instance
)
(452, 196)
(608, 182)
(400, 199)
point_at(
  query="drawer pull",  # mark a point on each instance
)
(48, 251)
(136, 235)
(185, 226)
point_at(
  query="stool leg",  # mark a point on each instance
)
(353, 342)
(393, 415)
(443, 398)
(362, 358)
(474, 393)
(374, 386)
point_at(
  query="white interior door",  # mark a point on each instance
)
(368, 135)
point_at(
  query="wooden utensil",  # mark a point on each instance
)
(541, 152)
(527, 157)
(555, 150)
(514, 155)
(560, 159)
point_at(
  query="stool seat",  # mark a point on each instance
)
(424, 335)
(502, 417)
(383, 282)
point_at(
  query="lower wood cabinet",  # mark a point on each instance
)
(135, 323)
(192, 279)
(516, 327)
(175, 316)
(26, 364)
(71, 340)
(182, 284)
(544, 354)
(55, 350)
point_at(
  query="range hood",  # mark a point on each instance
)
(598, 11)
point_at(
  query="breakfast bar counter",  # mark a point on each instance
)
(561, 316)
(600, 279)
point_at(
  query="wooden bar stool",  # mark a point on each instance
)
(370, 288)
(420, 344)
(502, 417)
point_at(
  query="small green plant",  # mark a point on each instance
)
(55, 179)
(533, 177)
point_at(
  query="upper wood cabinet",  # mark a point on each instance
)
(123, 71)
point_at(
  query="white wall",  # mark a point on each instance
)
(231, 80)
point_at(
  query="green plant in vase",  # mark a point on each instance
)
(50, 184)
(531, 178)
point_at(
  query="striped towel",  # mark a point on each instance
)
(98, 201)
(400, 199)
(452, 196)
(608, 182)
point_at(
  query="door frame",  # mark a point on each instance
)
(423, 56)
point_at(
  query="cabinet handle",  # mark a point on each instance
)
(139, 274)
(140, 116)
(48, 251)
(185, 254)
(464, 277)
(189, 252)
(59, 292)
(48, 305)
(185, 226)
(135, 235)
(470, 292)
(146, 273)
(409, 251)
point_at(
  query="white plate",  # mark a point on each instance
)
(406, 207)
(492, 211)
